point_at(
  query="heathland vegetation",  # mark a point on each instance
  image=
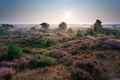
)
(62, 53)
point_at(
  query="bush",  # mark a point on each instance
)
(43, 61)
(4, 32)
(63, 26)
(58, 53)
(6, 73)
(110, 32)
(45, 25)
(90, 32)
(47, 60)
(44, 43)
(89, 70)
(13, 52)
(79, 33)
(70, 30)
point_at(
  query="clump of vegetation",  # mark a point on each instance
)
(47, 43)
(57, 54)
(79, 33)
(30, 51)
(6, 73)
(43, 43)
(75, 49)
(47, 60)
(45, 25)
(33, 29)
(4, 32)
(98, 25)
(6, 26)
(44, 60)
(4, 64)
(110, 32)
(70, 30)
(63, 26)
(13, 52)
(89, 70)
(90, 32)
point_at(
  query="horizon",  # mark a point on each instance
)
(56, 11)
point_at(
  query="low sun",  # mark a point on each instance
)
(68, 15)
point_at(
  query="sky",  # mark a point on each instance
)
(56, 11)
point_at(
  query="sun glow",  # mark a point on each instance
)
(68, 15)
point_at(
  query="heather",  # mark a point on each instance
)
(6, 73)
(61, 53)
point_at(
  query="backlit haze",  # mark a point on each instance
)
(56, 11)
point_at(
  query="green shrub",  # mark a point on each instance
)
(44, 51)
(73, 36)
(47, 43)
(13, 52)
(110, 32)
(47, 60)
(30, 51)
(79, 33)
(43, 61)
(44, 43)
(90, 32)
(4, 32)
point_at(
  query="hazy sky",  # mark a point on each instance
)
(55, 11)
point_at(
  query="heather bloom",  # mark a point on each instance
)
(58, 53)
(80, 74)
(88, 70)
(85, 41)
(6, 73)
(109, 43)
(4, 64)
(112, 43)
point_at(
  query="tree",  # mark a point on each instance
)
(98, 25)
(45, 25)
(6, 26)
(63, 26)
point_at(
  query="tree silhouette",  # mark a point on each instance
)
(45, 25)
(63, 26)
(98, 25)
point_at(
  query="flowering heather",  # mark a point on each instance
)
(6, 73)
(89, 70)
(80, 74)
(112, 43)
(58, 53)
(4, 64)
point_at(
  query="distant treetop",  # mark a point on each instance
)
(6, 26)
(63, 25)
(98, 25)
(98, 21)
(45, 25)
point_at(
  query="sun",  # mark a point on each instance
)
(68, 15)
